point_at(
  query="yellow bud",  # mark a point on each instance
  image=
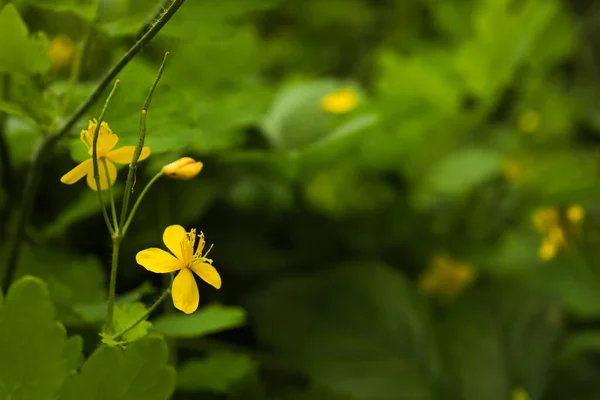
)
(545, 218)
(340, 102)
(575, 213)
(184, 168)
(547, 250)
(61, 51)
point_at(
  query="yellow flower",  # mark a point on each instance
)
(446, 277)
(107, 140)
(575, 214)
(61, 51)
(547, 250)
(184, 168)
(185, 260)
(529, 121)
(339, 102)
(545, 218)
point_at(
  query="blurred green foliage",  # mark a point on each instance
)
(471, 115)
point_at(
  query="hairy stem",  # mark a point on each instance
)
(139, 200)
(113, 208)
(140, 144)
(112, 285)
(46, 143)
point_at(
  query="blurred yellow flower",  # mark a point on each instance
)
(184, 168)
(446, 277)
(61, 51)
(512, 170)
(529, 121)
(545, 218)
(107, 140)
(547, 250)
(339, 102)
(185, 260)
(575, 213)
(520, 394)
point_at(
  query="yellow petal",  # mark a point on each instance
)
(125, 154)
(208, 273)
(184, 168)
(172, 237)
(112, 173)
(77, 173)
(185, 292)
(157, 260)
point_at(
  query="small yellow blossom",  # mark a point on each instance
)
(446, 277)
(575, 214)
(512, 171)
(184, 168)
(107, 140)
(61, 51)
(529, 121)
(185, 260)
(547, 250)
(340, 102)
(545, 218)
(520, 394)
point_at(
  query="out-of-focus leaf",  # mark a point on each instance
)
(359, 330)
(82, 8)
(73, 353)
(34, 360)
(70, 279)
(296, 118)
(17, 111)
(126, 17)
(580, 343)
(215, 373)
(462, 170)
(207, 320)
(139, 372)
(21, 54)
(499, 339)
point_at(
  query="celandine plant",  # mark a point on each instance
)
(187, 252)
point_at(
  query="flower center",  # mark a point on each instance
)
(187, 248)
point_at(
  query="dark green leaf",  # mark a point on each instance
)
(215, 373)
(207, 320)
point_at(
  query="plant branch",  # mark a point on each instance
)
(140, 145)
(46, 143)
(139, 200)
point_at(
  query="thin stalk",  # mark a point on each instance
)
(95, 161)
(110, 191)
(112, 285)
(46, 143)
(140, 145)
(144, 317)
(138, 201)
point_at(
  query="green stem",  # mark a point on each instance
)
(138, 201)
(112, 285)
(140, 145)
(46, 143)
(110, 191)
(144, 317)
(95, 161)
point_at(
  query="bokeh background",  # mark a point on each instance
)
(402, 194)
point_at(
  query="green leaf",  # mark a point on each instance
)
(462, 170)
(358, 330)
(126, 315)
(21, 54)
(139, 372)
(210, 319)
(33, 359)
(501, 338)
(296, 118)
(70, 279)
(215, 373)
(95, 312)
(16, 110)
(73, 353)
(82, 8)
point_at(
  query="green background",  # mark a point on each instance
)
(322, 223)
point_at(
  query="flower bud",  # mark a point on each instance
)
(184, 168)
(62, 51)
